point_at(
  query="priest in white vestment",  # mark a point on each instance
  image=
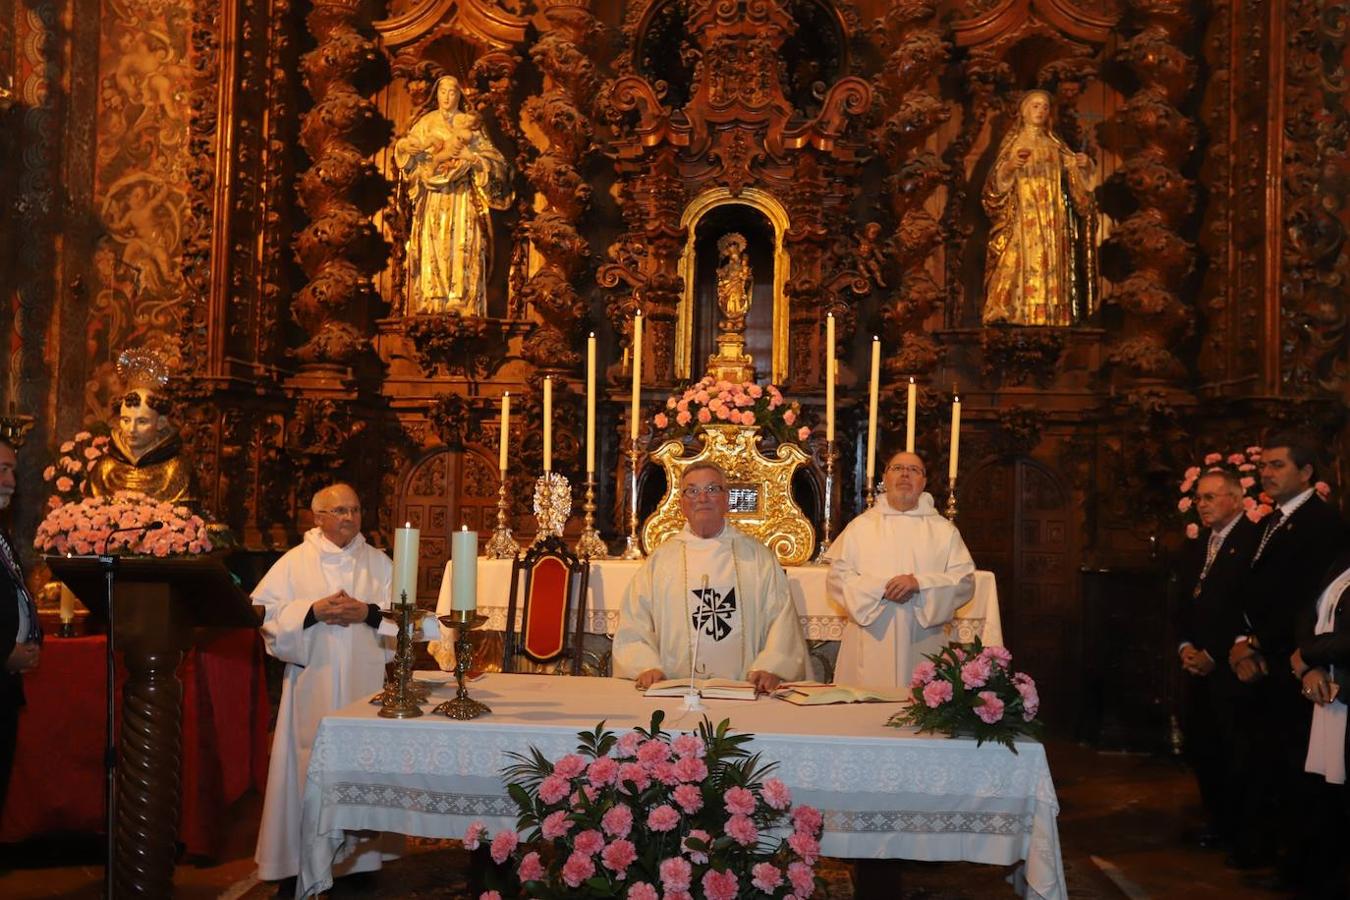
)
(901, 571)
(323, 602)
(710, 591)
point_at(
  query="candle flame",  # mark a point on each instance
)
(407, 524)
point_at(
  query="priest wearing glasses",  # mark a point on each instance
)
(901, 571)
(710, 591)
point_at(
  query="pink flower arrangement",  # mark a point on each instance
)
(1257, 504)
(66, 475)
(968, 688)
(127, 523)
(703, 838)
(711, 401)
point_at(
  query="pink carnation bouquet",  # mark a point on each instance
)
(75, 458)
(972, 689)
(127, 523)
(1247, 467)
(649, 815)
(713, 402)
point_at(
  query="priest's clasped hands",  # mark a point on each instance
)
(340, 609)
(900, 589)
(764, 682)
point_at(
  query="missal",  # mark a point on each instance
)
(710, 688)
(809, 694)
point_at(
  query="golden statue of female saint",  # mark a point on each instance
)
(145, 453)
(1041, 266)
(734, 279)
(455, 177)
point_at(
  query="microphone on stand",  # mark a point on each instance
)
(149, 526)
(693, 700)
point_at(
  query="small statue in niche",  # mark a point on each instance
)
(1041, 261)
(870, 258)
(734, 280)
(145, 453)
(455, 178)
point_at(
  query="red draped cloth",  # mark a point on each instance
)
(57, 784)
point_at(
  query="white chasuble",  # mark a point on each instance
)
(327, 667)
(667, 597)
(883, 641)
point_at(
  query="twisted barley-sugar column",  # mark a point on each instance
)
(148, 765)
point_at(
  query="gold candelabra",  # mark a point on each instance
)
(820, 559)
(400, 698)
(462, 706)
(633, 549)
(501, 545)
(589, 545)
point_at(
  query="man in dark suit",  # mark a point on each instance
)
(1298, 541)
(20, 634)
(1208, 620)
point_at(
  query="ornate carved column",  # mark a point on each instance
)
(340, 248)
(1155, 139)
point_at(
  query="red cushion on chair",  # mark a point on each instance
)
(545, 623)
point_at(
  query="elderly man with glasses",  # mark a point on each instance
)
(901, 571)
(710, 593)
(322, 602)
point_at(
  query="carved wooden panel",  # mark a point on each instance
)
(444, 491)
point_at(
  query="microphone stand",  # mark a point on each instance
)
(693, 700)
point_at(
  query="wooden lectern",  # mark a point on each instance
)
(162, 608)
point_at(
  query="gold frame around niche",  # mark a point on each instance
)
(778, 217)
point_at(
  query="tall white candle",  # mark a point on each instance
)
(956, 438)
(829, 376)
(548, 424)
(590, 404)
(464, 569)
(633, 420)
(910, 401)
(506, 431)
(406, 542)
(872, 390)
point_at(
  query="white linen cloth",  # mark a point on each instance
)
(1326, 738)
(884, 792)
(327, 667)
(884, 641)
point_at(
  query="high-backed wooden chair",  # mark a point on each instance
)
(548, 587)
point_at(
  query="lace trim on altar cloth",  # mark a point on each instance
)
(443, 803)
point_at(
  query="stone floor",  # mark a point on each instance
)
(1123, 821)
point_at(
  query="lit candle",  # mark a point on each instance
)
(67, 605)
(872, 411)
(406, 541)
(829, 376)
(637, 376)
(590, 404)
(909, 416)
(506, 431)
(548, 424)
(464, 569)
(956, 437)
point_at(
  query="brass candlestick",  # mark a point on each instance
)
(950, 511)
(502, 545)
(633, 549)
(589, 545)
(820, 559)
(552, 505)
(462, 706)
(400, 700)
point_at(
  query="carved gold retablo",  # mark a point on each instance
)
(760, 491)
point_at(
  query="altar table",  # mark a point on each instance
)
(57, 784)
(822, 619)
(885, 793)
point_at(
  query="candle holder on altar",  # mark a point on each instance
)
(462, 706)
(502, 545)
(820, 559)
(633, 548)
(589, 545)
(400, 697)
(950, 511)
(552, 505)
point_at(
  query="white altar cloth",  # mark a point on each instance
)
(822, 619)
(884, 792)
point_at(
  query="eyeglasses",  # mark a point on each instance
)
(712, 490)
(911, 470)
(341, 512)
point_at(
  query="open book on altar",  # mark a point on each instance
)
(711, 688)
(806, 693)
